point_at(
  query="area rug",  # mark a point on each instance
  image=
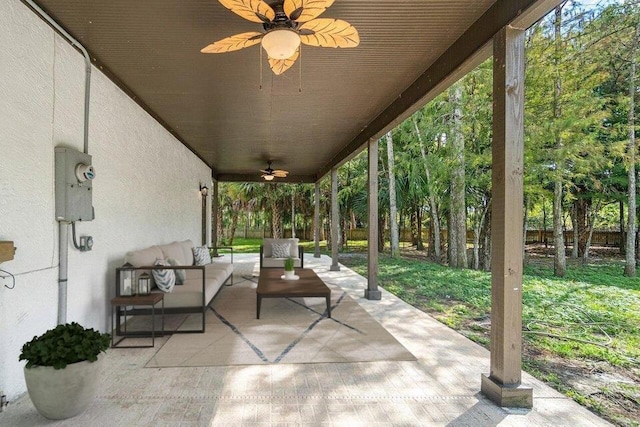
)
(290, 330)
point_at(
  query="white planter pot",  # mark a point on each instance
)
(63, 393)
(289, 275)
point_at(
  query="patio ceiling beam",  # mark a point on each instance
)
(471, 49)
(255, 177)
(503, 384)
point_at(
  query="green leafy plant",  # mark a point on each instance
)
(288, 264)
(63, 345)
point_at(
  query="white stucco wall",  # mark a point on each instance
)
(145, 192)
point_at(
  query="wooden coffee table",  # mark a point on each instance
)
(270, 285)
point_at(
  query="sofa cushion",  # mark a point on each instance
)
(174, 250)
(180, 274)
(201, 255)
(190, 293)
(211, 270)
(143, 257)
(187, 248)
(165, 279)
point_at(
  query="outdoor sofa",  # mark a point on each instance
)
(201, 284)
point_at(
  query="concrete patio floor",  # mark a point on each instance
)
(441, 388)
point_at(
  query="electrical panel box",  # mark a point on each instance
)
(74, 191)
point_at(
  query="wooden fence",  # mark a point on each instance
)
(599, 238)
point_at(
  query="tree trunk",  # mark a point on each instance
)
(485, 261)
(276, 211)
(393, 209)
(433, 207)
(458, 204)
(452, 249)
(419, 242)
(582, 208)
(219, 226)
(293, 214)
(345, 231)
(560, 259)
(591, 226)
(574, 230)
(524, 229)
(233, 227)
(621, 228)
(630, 256)
(478, 226)
(381, 228)
(544, 223)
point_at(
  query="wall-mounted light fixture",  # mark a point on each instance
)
(204, 190)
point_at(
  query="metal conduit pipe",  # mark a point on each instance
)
(63, 232)
(63, 228)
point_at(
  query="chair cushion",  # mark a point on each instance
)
(280, 250)
(268, 247)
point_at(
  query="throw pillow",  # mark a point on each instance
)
(165, 279)
(201, 255)
(281, 250)
(181, 275)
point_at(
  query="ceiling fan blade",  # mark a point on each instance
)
(305, 10)
(279, 66)
(280, 175)
(237, 42)
(252, 10)
(327, 32)
(265, 172)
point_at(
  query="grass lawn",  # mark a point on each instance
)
(581, 332)
(241, 245)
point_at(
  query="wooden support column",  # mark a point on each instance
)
(503, 385)
(335, 221)
(316, 222)
(372, 292)
(214, 217)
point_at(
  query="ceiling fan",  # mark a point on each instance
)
(269, 173)
(286, 24)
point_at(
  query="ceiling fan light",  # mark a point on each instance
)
(268, 177)
(281, 43)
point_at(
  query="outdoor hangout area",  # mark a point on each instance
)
(372, 363)
(319, 212)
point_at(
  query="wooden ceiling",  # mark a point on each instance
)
(409, 51)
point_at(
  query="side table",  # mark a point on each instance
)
(150, 300)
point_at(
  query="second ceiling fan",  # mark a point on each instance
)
(287, 24)
(269, 173)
